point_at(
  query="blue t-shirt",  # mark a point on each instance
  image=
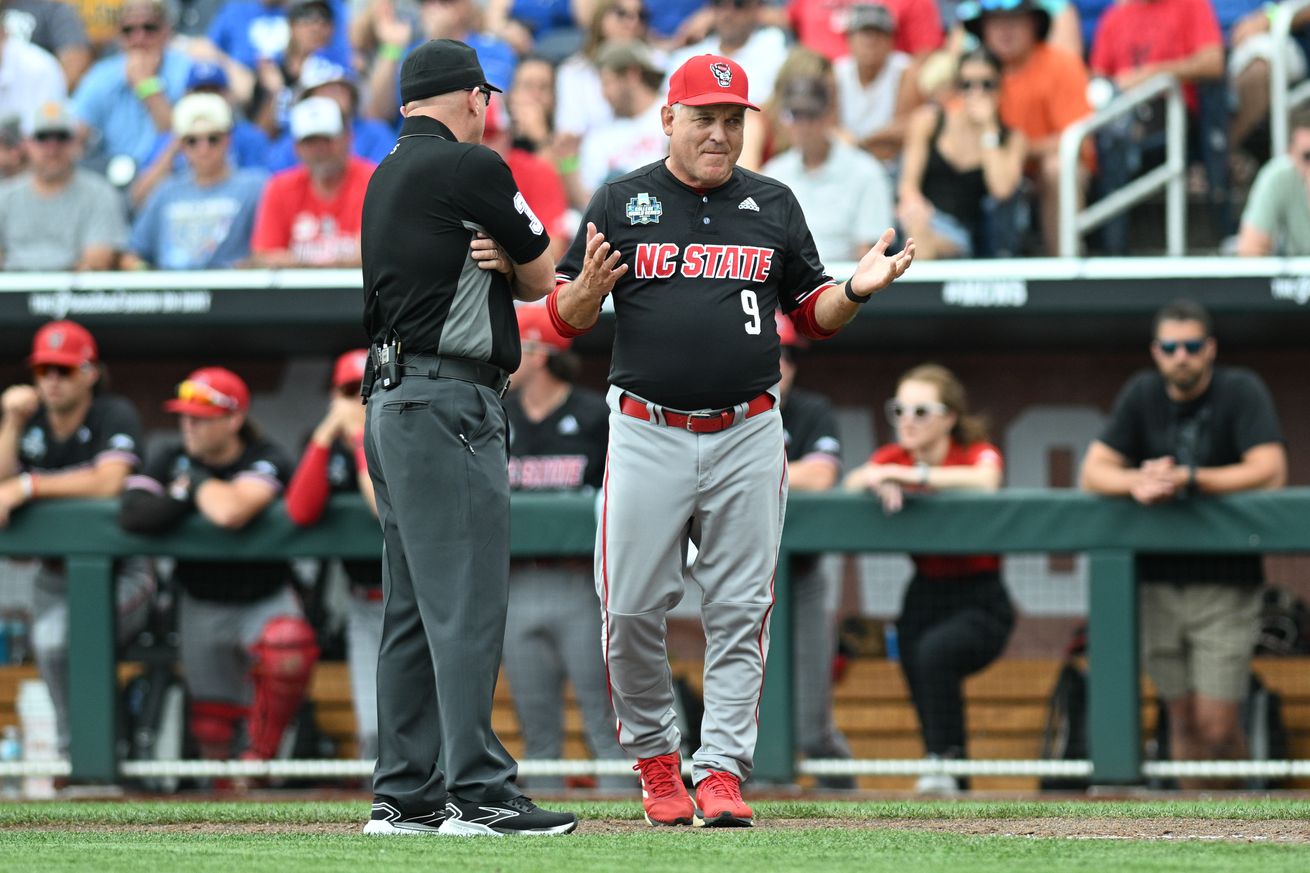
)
(248, 30)
(666, 16)
(1089, 15)
(105, 101)
(541, 15)
(186, 227)
(370, 140)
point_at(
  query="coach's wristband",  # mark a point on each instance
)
(853, 297)
(147, 88)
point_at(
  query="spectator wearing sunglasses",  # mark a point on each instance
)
(1138, 39)
(201, 220)
(1182, 431)
(1043, 91)
(333, 463)
(1276, 220)
(126, 100)
(62, 437)
(59, 216)
(956, 616)
(579, 104)
(961, 170)
(251, 31)
(874, 93)
(844, 193)
(247, 651)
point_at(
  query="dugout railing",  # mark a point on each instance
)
(1110, 532)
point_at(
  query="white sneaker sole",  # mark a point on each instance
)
(453, 828)
(381, 828)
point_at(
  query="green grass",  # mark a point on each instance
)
(23, 849)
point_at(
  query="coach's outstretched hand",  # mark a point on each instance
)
(877, 269)
(578, 302)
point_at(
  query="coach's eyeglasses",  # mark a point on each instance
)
(486, 93)
(202, 394)
(896, 410)
(1169, 348)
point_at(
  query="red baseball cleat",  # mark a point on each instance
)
(718, 797)
(662, 793)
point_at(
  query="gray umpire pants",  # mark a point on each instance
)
(727, 493)
(443, 504)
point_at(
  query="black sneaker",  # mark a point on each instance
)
(517, 816)
(389, 820)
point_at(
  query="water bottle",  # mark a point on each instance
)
(11, 752)
(18, 639)
(891, 642)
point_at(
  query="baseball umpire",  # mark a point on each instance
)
(696, 448)
(448, 242)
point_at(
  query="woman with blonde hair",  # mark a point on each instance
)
(956, 616)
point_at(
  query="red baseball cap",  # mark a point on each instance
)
(349, 369)
(64, 344)
(210, 392)
(535, 327)
(709, 79)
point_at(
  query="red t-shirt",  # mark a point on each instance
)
(540, 185)
(947, 566)
(1138, 33)
(293, 217)
(820, 25)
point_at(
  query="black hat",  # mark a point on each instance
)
(440, 66)
(971, 13)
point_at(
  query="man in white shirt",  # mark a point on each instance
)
(630, 82)
(738, 31)
(873, 91)
(30, 77)
(844, 193)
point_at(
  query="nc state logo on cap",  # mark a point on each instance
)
(722, 74)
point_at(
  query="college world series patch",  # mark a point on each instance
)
(644, 209)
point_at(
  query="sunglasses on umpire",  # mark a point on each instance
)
(202, 394)
(1169, 348)
(896, 410)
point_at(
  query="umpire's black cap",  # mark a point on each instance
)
(440, 66)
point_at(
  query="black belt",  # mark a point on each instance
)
(463, 369)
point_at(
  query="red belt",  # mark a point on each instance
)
(696, 422)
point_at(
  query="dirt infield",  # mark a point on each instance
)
(1226, 830)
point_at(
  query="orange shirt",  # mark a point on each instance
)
(1046, 94)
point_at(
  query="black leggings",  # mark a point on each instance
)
(949, 629)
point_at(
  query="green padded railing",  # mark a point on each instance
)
(1110, 531)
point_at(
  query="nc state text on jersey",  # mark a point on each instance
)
(699, 261)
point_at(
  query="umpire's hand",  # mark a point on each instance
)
(489, 255)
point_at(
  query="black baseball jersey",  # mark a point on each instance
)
(564, 451)
(223, 580)
(343, 478)
(809, 426)
(424, 203)
(706, 270)
(1235, 414)
(110, 431)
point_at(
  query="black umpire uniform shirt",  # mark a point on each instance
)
(421, 284)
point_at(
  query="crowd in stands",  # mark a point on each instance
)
(945, 98)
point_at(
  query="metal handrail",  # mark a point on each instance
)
(1281, 98)
(1169, 175)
